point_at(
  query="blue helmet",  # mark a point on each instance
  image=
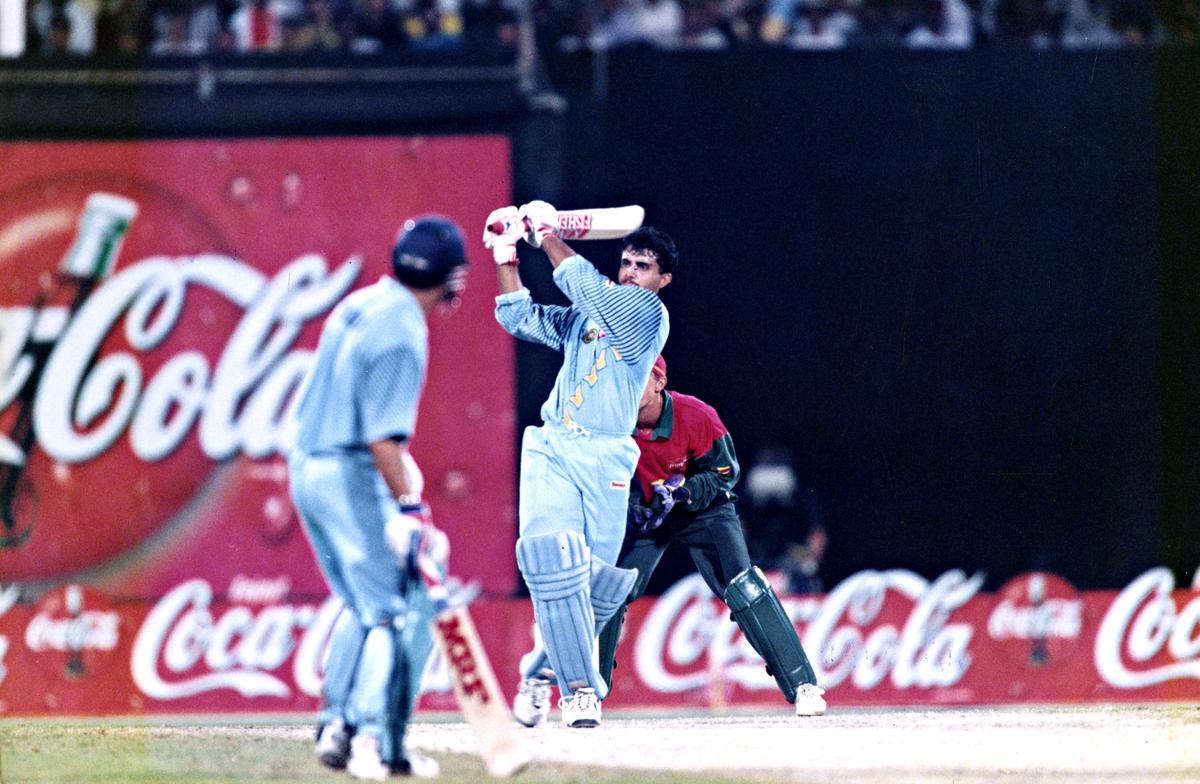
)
(429, 252)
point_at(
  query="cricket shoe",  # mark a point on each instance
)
(582, 709)
(333, 744)
(531, 706)
(809, 701)
(365, 762)
(417, 765)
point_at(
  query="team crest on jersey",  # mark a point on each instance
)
(593, 334)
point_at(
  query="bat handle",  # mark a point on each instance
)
(435, 587)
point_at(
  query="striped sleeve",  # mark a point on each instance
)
(522, 318)
(629, 314)
(388, 391)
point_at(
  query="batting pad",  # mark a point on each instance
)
(345, 649)
(557, 570)
(610, 588)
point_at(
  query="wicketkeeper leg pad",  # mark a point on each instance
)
(557, 569)
(761, 618)
(610, 635)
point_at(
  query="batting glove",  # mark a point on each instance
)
(501, 232)
(434, 544)
(541, 221)
(405, 531)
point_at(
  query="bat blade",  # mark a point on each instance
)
(478, 693)
(603, 223)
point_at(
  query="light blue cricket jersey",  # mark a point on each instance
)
(367, 373)
(609, 337)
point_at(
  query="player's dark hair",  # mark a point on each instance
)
(657, 242)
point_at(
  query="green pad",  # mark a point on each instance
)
(761, 618)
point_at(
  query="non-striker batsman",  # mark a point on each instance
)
(358, 494)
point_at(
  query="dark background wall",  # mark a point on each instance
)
(959, 288)
(945, 283)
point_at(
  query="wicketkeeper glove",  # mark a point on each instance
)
(503, 229)
(667, 493)
(541, 221)
(643, 518)
(672, 491)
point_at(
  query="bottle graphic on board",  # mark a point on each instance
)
(101, 229)
(1039, 652)
(77, 631)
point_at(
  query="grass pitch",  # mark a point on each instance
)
(241, 751)
(1016, 744)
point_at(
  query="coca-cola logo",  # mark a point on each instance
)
(874, 626)
(187, 646)
(182, 356)
(1145, 638)
(1037, 620)
(75, 632)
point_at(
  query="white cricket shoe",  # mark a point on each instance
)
(365, 762)
(581, 709)
(531, 706)
(809, 701)
(418, 766)
(333, 745)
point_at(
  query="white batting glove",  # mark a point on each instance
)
(503, 229)
(436, 545)
(403, 532)
(541, 221)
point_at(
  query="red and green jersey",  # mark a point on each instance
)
(689, 439)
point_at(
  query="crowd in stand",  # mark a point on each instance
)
(74, 28)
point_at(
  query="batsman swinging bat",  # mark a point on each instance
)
(601, 223)
(475, 684)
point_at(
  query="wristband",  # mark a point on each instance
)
(410, 503)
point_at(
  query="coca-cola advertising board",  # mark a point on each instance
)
(878, 638)
(159, 305)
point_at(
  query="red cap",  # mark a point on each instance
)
(660, 367)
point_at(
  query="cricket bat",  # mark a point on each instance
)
(601, 223)
(475, 686)
(604, 223)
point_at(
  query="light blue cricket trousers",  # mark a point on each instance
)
(576, 482)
